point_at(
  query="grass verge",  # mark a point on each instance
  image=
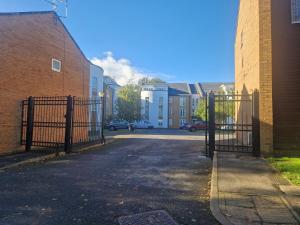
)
(288, 167)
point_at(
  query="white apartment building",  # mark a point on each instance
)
(154, 104)
(96, 87)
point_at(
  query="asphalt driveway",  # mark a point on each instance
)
(144, 171)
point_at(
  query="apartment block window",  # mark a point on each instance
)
(182, 122)
(295, 11)
(160, 123)
(94, 87)
(182, 112)
(160, 108)
(147, 108)
(182, 101)
(56, 65)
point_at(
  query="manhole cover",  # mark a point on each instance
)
(158, 217)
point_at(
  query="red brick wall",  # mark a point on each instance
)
(28, 42)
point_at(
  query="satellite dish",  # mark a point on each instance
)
(55, 3)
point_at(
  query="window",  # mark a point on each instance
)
(182, 112)
(147, 108)
(182, 101)
(160, 123)
(182, 122)
(160, 108)
(56, 65)
(170, 122)
(295, 11)
(95, 87)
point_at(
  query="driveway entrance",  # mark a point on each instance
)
(144, 171)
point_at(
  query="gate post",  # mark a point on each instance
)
(30, 123)
(68, 128)
(211, 124)
(256, 124)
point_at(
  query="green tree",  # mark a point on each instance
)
(146, 80)
(129, 103)
(223, 109)
(201, 110)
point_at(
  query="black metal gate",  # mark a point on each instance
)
(233, 123)
(61, 122)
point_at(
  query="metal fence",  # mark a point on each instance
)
(233, 123)
(61, 122)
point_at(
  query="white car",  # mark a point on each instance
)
(143, 124)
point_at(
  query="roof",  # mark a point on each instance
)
(110, 81)
(193, 89)
(176, 89)
(215, 86)
(49, 13)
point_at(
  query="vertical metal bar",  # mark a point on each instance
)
(206, 126)
(228, 125)
(256, 124)
(103, 119)
(22, 122)
(224, 122)
(247, 121)
(72, 120)
(30, 123)
(211, 115)
(68, 127)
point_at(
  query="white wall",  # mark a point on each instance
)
(96, 86)
(96, 73)
(154, 92)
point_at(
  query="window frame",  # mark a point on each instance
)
(295, 11)
(52, 65)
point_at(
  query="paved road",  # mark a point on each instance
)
(158, 169)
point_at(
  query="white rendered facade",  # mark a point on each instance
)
(96, 87)
(154, 104)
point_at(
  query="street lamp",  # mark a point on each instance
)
(102, 96)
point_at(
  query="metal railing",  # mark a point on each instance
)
(233, 123)
(61, 122)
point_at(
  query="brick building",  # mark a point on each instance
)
(267, 58)
(38, 58)
(184, 100)
(180, 104)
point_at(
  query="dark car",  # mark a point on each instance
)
(202, 125)
(117, 125)
(185, 126)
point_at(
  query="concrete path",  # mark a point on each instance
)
(153, 170)
(245, 190)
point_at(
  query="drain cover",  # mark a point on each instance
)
(158, 217)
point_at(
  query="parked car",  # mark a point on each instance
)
(143, 124)
(202, 125)
(119, 124)
(185, 126)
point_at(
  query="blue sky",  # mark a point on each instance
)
(178, 40)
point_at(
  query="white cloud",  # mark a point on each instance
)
(121, 70)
